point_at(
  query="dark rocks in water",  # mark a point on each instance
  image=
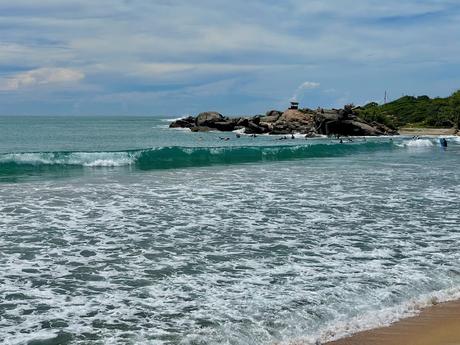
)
(225, 126)
(343, 122)
(201, 129)
(187, 122)
(255, 128)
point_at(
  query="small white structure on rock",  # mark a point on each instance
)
(294, 105)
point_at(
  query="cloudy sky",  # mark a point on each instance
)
(175, 57)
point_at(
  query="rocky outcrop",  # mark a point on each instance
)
(340, 122)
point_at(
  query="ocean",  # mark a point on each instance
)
(119, 230)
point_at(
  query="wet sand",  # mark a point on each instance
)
(438, 325)
(427, 131)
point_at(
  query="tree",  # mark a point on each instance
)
(455, 105)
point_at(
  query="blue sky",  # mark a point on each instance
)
(177, 57)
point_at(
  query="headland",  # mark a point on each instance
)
(408, 115)
(340, 122)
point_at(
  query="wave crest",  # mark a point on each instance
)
(178, 157)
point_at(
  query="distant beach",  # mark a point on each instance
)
(428, 131)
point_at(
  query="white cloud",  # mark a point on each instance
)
(264, 47)
(307, 85)
(40, 76)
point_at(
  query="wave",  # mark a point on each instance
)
(378, 318)
(418, 143)
(177, 157)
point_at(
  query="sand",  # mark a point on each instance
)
(427, 131)
(438, 325)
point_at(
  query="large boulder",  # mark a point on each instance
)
(351, 127)
(256, 128)
(384, 129)
(208, 118)
(271, 116)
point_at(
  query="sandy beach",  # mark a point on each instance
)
(437, 325)
(428, 131)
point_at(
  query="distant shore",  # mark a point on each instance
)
(428, 131)
(437, 325)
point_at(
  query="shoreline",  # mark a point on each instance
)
(435, 325)
(428, 131)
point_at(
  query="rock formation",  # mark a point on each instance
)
(343, 122)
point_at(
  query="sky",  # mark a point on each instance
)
(179, 57)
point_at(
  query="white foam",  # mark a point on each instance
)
(240, 131)
(90, 159)
(377, 318)
(210, 271)
(174, 119)
(181, 129)
(108, 163)
(418, 143)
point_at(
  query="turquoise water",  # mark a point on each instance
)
(122, 231)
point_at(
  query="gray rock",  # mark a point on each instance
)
(208, 118)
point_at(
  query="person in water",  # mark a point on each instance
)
(443, 142)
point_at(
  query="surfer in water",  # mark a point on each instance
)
(443, 142)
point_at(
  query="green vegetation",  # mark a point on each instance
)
(421, 111)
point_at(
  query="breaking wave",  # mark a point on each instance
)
(177, 157)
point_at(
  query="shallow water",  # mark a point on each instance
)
(302, 248)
